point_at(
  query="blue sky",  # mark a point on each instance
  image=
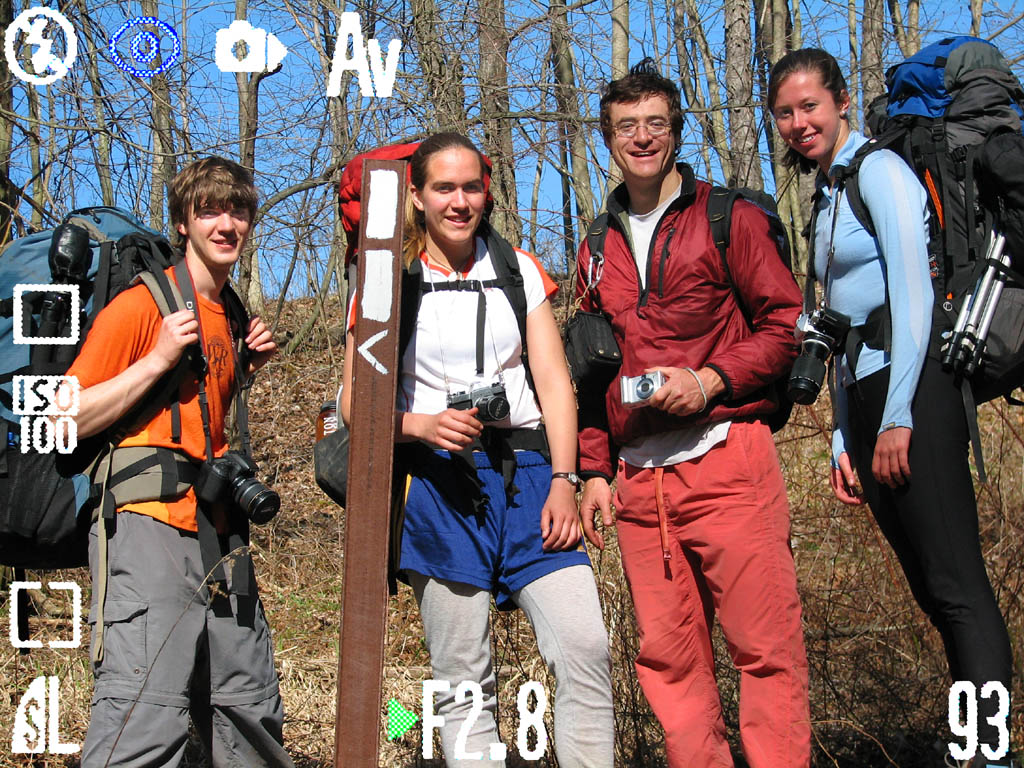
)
(293, 104)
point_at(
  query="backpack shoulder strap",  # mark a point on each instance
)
(849, 179)
(168, 300)
(597, 232)
(720, 203)
(506, 269)
(409, 305)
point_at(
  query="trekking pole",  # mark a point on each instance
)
(992, 301)
(964, 340)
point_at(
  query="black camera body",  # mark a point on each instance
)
(491, 401)
(821, 334)
(232, 477)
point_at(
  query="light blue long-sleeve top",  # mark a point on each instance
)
(862, 268)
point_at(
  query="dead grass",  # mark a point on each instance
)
(878, 680)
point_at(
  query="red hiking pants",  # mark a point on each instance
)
(724, 526)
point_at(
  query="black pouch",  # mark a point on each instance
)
(330, 464)
(592, 352)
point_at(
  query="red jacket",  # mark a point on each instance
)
(688, 316)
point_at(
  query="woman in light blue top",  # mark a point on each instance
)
(901, 442)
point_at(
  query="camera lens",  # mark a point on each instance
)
(644, 388)
(259, 503)
(494, 408)
(805, 379)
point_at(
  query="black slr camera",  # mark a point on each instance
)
(823, 334)
(491, 400)
(233, 477)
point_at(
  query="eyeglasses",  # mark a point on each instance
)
(628, 128)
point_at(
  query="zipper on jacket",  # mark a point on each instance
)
(664, 260)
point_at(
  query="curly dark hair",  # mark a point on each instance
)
(643, 80)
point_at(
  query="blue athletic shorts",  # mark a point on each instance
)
(499, 549)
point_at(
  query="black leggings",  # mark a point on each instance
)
(932, 524)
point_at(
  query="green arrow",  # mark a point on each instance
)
(400, 720)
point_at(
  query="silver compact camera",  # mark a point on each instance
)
(637, 390)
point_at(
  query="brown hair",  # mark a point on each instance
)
(415, 225)
(812, 60)
(212, 181)
(643, 80)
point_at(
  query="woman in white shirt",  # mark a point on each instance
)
(490, 504)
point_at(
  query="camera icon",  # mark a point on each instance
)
(265, 51)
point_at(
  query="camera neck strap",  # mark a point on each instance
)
(826, 284)
(482, 327)
(209, 544)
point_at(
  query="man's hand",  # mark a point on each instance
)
(559, 522)
(891, 463)
(177, 331)
(680, 395)
(261, 344)
(597, 495)
(844, 482)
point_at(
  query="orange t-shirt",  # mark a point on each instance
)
(124, 332)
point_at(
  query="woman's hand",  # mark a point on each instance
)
(559, 523)
(450, 430)
(597, 495)
(891, 464)
(845, 484)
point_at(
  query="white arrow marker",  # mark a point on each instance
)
(364, 350)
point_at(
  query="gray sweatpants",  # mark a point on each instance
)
(169, 653)
(565, 613)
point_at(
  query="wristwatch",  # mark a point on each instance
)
(572, 477)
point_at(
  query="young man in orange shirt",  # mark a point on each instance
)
(171, 645)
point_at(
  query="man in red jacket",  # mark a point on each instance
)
(703, 521)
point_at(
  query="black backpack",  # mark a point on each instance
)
(719, 211)
(48, 499)
(953, 114)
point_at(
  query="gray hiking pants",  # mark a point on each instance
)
(564, 610)
(169, 653)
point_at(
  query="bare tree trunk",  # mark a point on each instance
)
(853, 81)
(35, 153)
(746, 168)
(494, 106)
(620, 38)
(101, 136)
(707, 68)
(900, 32)
(772, 43)
(976, 8)
(620, 65)
(163, 168)
(873, 25)
(248, 84)
(8, 191)
(914, 25)
(442, 75)
(568, 105)
(691, 88)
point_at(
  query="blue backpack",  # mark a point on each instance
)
(953, 113)
(45, 496)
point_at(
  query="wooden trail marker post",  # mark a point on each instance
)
(371, 457)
